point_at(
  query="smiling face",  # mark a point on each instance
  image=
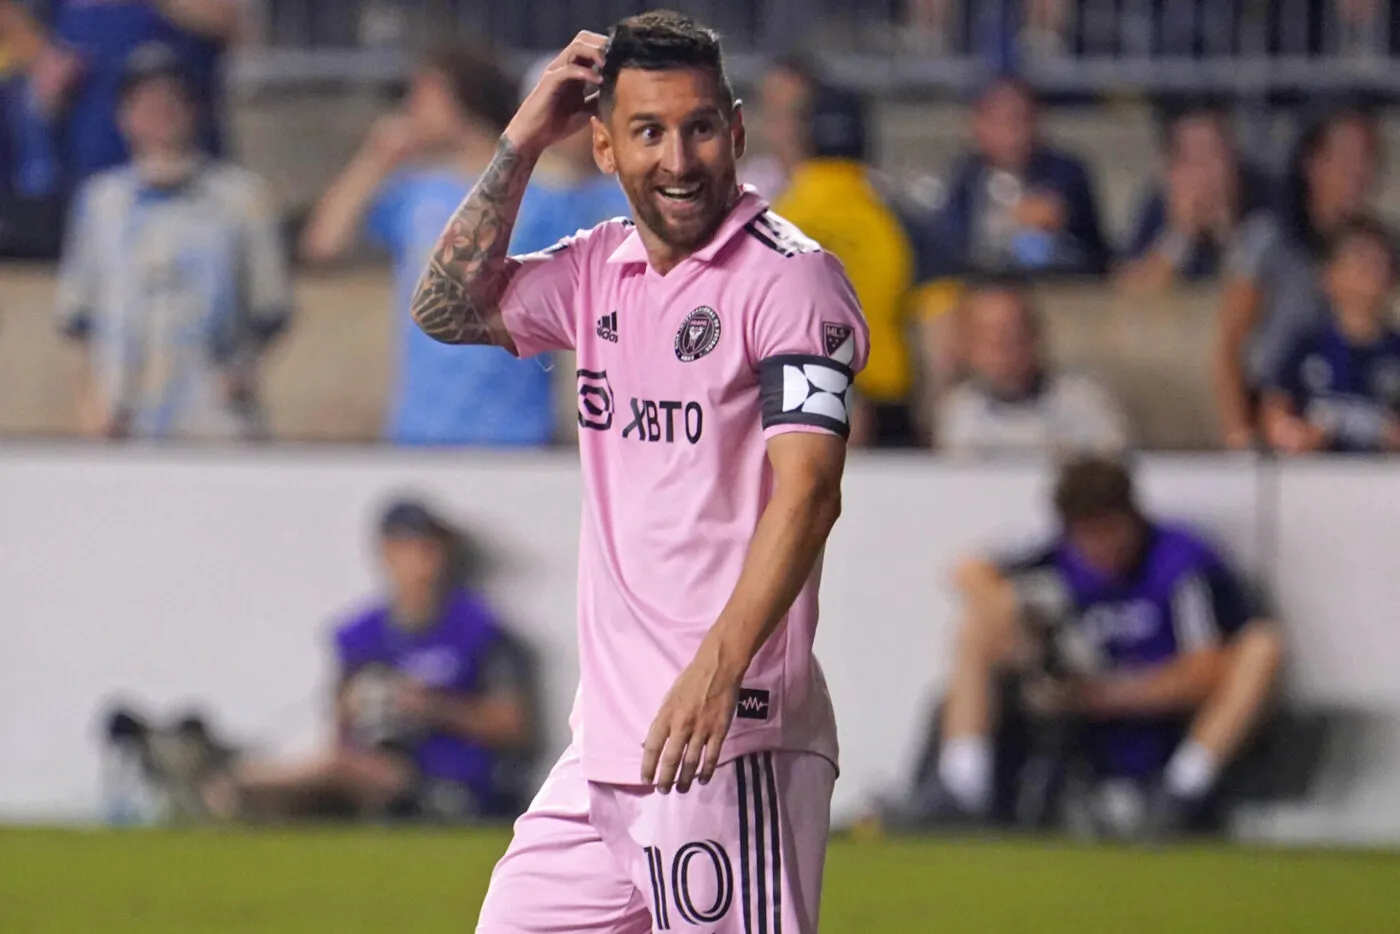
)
(673, 139)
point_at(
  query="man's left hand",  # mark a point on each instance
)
(685, 738)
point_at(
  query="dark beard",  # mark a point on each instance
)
(645, 210)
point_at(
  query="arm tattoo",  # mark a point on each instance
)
(458, 296)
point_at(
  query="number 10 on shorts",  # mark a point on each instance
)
(702, 866)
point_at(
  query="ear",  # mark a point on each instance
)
(603, 155)
(737, 131)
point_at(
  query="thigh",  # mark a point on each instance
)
(741, 855)
(558, 875)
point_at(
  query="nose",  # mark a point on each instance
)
(677, 157)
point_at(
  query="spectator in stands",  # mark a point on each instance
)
(413, 169)
(1192, 218)
(1272, 292)
(1133, 631)
(1339, 386)
(1015, 203)
(784, 118)
(567, 193)
(432, 704)
(78, 78)
(174, 280)
(833, 199)
(1011, 401)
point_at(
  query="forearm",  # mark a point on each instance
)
(498, 722)
(1230, 391)
(1179, 686)
(786, 544)
(214, 19)
(334, 222)
(458, 296)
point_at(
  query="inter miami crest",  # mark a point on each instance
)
(698, 334)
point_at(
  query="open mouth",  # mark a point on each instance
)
(681, 194)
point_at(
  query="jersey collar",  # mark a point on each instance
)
(749, 206)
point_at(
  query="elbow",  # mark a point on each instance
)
(316, 248)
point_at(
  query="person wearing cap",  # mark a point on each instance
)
(1015, 204)
(415, 166)
(432, 701)
(173, 281)
(834, 199)
(78, 77)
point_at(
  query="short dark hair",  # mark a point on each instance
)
(1362, 227)
(662, 40)
(1005, 81)
(1090, 486)
(478, 82)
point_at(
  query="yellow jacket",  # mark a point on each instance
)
(833, 202)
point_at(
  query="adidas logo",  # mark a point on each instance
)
(607, 327)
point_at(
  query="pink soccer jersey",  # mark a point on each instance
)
(681, 379)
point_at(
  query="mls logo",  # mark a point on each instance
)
(840, 342)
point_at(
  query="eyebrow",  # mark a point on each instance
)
(707, 111)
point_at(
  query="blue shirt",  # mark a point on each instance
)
(1349, 390)
(455, 655)
(1181, 597)
(105, 33)
(445, 394)
(548, 213)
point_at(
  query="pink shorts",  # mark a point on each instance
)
(741, 855)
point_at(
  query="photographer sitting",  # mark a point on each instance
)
(1133, 638)
(432, 706)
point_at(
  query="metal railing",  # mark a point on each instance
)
(1243, 46)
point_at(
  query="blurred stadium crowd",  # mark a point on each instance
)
(1001, 299)
(1246, 305)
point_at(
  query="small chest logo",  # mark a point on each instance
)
(607, 327)
(698, 334)
(595, 400)
(1317, 373)
(753, 704)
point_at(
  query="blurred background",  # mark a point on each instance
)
(269, 556)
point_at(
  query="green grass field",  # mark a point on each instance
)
(378, 882)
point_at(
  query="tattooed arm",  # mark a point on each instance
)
(458, 296)
(458, 299)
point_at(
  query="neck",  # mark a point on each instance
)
(1359, 326)
(166, 167)
(415, 612)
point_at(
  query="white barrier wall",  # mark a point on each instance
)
(214, 577)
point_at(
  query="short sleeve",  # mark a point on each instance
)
(385, 220)
(538, 305)
(808, 342)
(1256, 241)
(1208, 607)
(354, 649)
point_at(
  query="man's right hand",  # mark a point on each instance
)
(565, 98)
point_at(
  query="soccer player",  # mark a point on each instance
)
(716, 347)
